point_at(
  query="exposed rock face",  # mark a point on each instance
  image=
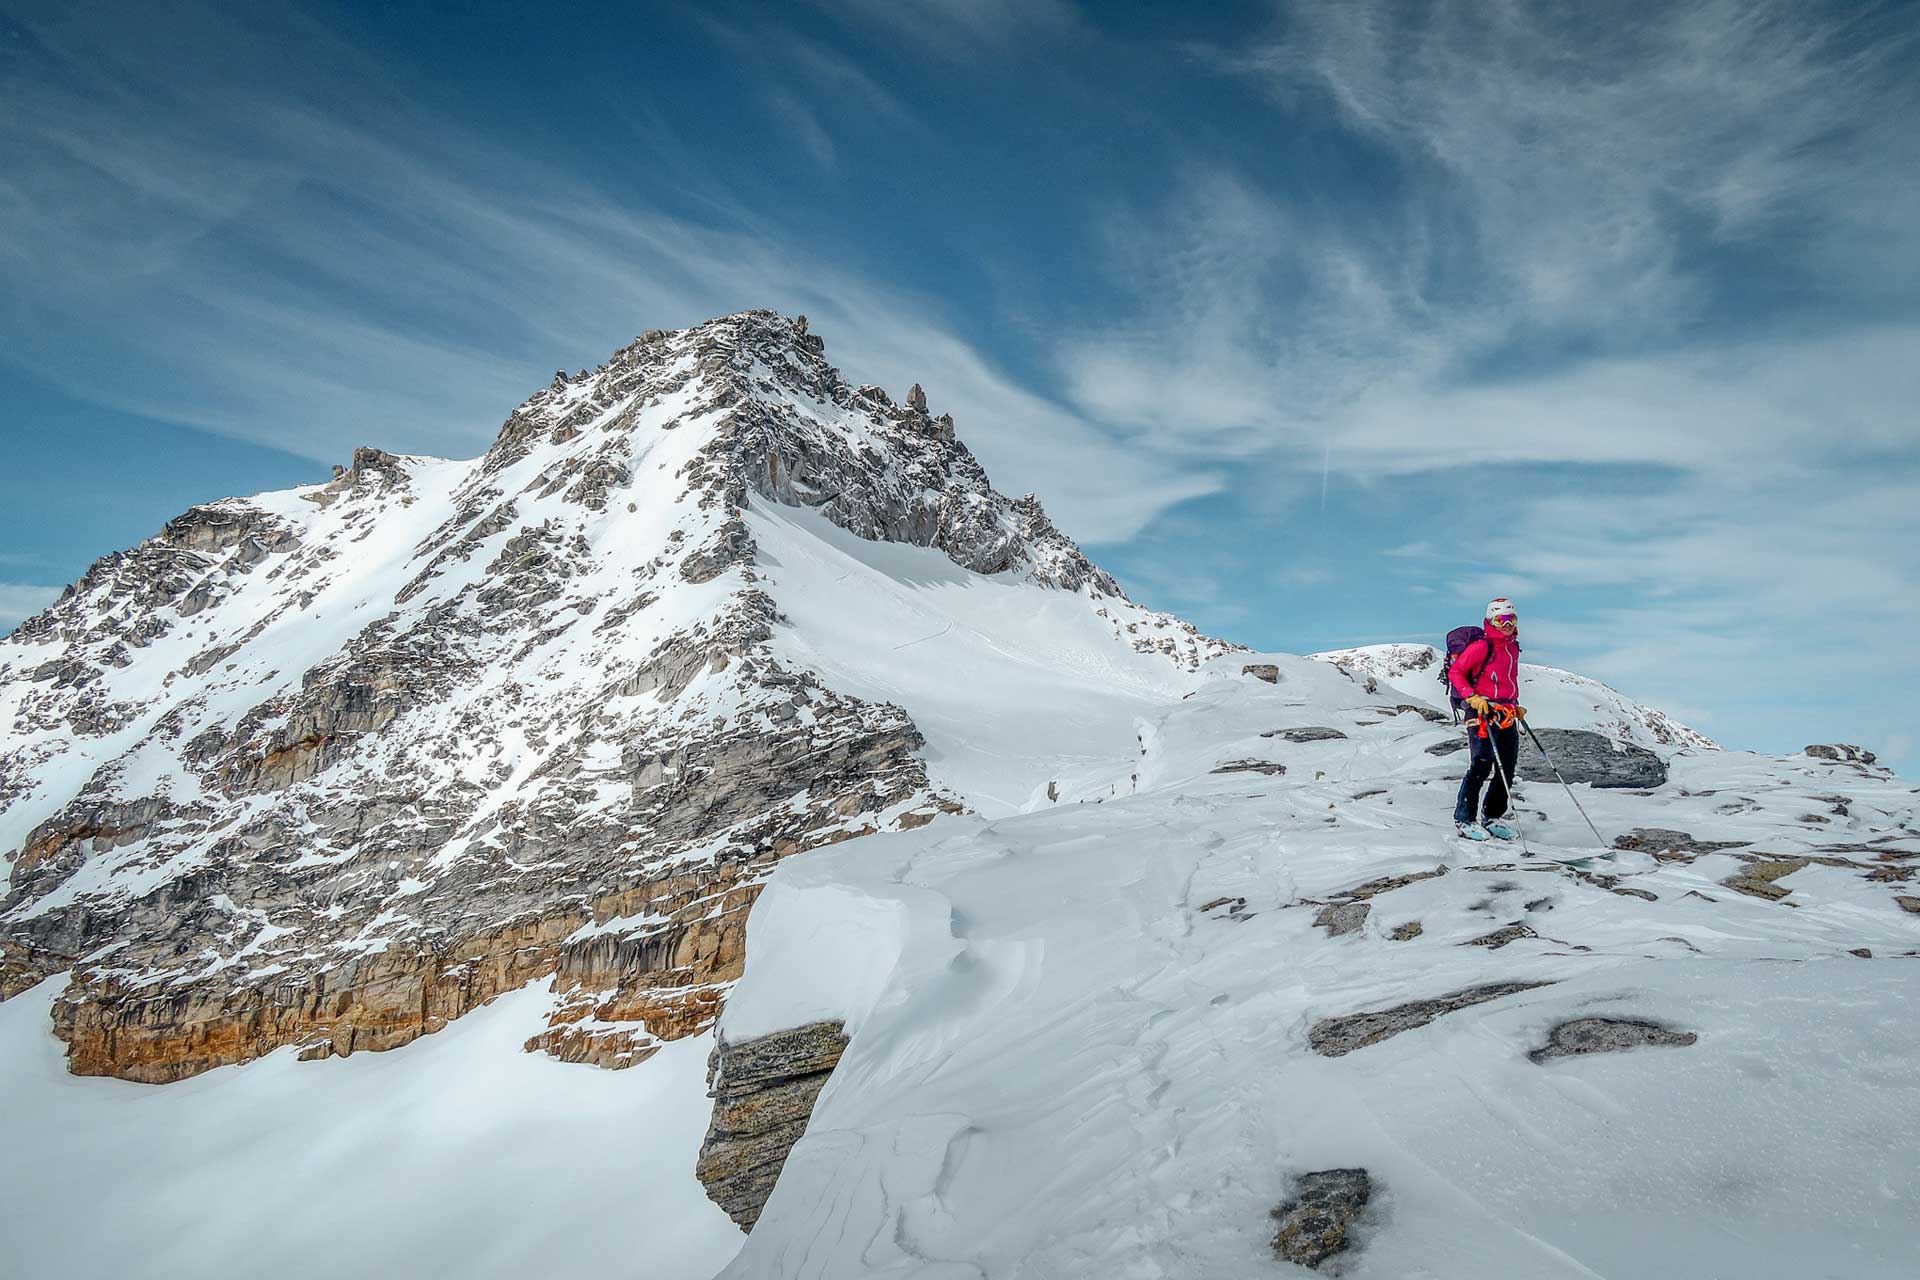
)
(1590, 757)
(1607, 1035)
(763, 1094)
(1337, 1037)
(1262, 671)
(1316, 1223)
(1844, 752)
(332, 767)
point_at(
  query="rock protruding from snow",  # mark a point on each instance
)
(763, 1093)
(1592, 758)
(1337, 1037)
(1608, 1035)
(1316, 1223)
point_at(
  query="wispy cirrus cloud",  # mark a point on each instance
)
(293, 252)
(1559, 186)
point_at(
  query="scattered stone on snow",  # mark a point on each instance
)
(1865, 953)
(1336, 1037)
(1844, 752)
(1501, 937)
(1757, 878)
(1374, 888)
(1607, 1035)
(1406, 932)
(1269, 767)
(1672, 846)
(1234, 906)
(1316, 1223)
(1262, 671)
(1342, 917)
(1907, 903)
(1307, 733)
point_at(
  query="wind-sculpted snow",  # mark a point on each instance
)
(1095, 1049)
(333, 766)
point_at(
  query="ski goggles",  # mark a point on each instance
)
(1505, 621)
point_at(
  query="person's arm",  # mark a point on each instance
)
(1468, 660)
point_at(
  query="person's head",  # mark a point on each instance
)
(1502, 617)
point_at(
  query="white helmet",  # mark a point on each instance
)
(1501, 607)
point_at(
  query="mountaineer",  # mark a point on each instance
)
(1483, 674)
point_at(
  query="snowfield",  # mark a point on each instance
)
(461, 1156)
(1081, 1036)
(460, 778)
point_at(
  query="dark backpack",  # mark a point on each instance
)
(1457, 641)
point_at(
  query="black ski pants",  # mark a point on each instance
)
(1480, 769)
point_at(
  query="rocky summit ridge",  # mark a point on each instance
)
(333, 766)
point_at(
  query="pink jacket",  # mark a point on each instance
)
(1496, 678)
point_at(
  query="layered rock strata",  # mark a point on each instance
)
(763, 1094)
(331, 767)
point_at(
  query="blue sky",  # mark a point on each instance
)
(1317, 323)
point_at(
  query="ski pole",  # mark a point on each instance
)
(1563, 782)
(1513, 801)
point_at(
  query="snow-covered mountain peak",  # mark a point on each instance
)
(333, 765)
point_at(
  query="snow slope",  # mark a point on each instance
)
(462, 1156)
(1554, 697)
(1080, 1037)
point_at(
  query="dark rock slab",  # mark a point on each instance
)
(1589, 757)
(1337, 1037)
(1317, 1221)
(1262, 671)
(1306, 733)
(1608, 1035)
(1272, 768)
(1447, 747)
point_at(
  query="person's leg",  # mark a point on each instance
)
(1479, 764)
(1507, 743)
